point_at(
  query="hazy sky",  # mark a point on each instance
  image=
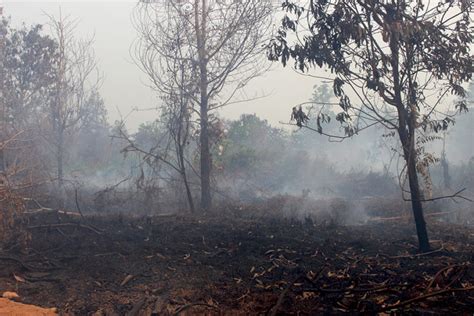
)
(124, 86)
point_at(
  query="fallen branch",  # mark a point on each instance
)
(127, 279)
(418, 254)
(187, 306)
(31, 279)
(381, 219)
(275, 308)
(136, 308)
(87, 227)
(7, 258)
(436, 276)
(358, 290)
(46, 210)
(423, 297)
(348, 290)
(457, 277)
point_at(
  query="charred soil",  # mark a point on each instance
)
(238, 265)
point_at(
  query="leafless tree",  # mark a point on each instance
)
(217, 45)
(178, 120)
(165, 156)
(76, 79)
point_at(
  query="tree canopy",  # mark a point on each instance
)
(399, 59)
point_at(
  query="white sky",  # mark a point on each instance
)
(124, 86)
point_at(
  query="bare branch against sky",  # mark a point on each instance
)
(125, 87)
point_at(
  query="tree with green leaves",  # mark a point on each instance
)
(322, 93)
(27, 58)
(401, 60)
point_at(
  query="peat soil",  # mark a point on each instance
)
(239, 265)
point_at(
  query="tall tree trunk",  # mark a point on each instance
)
(182, 166)
(407, 139)
(406, 132)
(60, 166)
(188, 193)
(446, 176)
(58, 124)
(200, 25)
(3, 122)
(445, 165)
(206, 202)
(60, 158)
(416, 204)
(2, 98)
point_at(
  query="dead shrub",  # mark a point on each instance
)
(12, 224)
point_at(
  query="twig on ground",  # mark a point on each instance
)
(187, 306)
(397, 218)
(418, 254)
(136, 307)
(456, 277)
(275, 308)
(50, 210)
(436, 276)
(7, 258)
(63, 234)
(348, 290)
(127, 279)
(31, 279)
(423, 297)
(92, 229)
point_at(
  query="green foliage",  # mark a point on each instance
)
(250, 143)
(27, 63)
(388, 53)
(322, 93)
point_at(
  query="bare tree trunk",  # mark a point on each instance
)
(416, 204)
(3, 129)
(445, 165)
(57, 120)
(406, 132)
(446, 176)
(188, 192)
(220, 45)
(60, 166)
(407, 139)
(60, 158)
(182, 166)
(206, 200)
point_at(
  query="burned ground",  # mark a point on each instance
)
(239, 264)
